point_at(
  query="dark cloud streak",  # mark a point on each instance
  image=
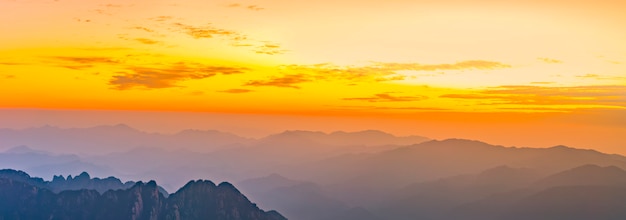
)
(387, 97)
(169, 76)
(286, 81)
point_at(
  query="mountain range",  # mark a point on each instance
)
(344, 175)
(23, 197)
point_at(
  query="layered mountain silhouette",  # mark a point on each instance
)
(23, 197)
(585, 192)
(44, 163)
(301, 200)
(341, 175)
(113, 138)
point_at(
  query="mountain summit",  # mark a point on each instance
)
(20, 199)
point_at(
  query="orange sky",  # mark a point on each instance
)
(470, 69)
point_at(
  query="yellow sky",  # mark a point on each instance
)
(398, 58)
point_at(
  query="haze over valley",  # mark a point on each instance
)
(339, 175)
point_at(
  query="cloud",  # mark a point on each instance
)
(376, 72)
(286, 81)
(607, 95)
(269, 49)
(542, 83)
(249, 7)
(254, 7)
(144, 29)
(86, 60)
(112, 6)
(601, 77)
(549, 60)
(236, 91)
(588, 76)
(387, 97)
(539, 109)
(79, 63)
(146, 41)
(236, 39)
(12, 63)
(161, 18)
(167, 77)
(203, 31)
(463, 65)
(410, 108)
(107, 9)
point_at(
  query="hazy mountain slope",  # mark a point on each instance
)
(289, 147)
(434, 199)
(585, 192)
(300, 200)
(356, 139)
(389, 170)
(107, 139)
(572, 202)
(42, 163)
(236, 163)
(585, 175)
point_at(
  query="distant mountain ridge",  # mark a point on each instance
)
(312, 175)
(115, 138)
(79, 182)
(22, 197)
(112, 138)
(584, 192)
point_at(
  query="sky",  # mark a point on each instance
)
(531, 73)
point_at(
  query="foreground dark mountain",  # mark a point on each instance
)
(196, 200)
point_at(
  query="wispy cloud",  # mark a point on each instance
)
(143, 29)
(147, 41)
(286, 81)
(12, 63)
(376, 72)
(86, 60)
(161, 18)
(79, 63)
(206, 31)
(370, 107)
(542, 83)
(601, 77)
(107, 9)
(236, 91)
(236, 39)
(608, 95)
(463, 65)
(388, 97)
(254, 7)
(269, 49)
(169, 76)
(249, 7)
(549, 60)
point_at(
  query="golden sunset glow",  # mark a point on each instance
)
(415, 60)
